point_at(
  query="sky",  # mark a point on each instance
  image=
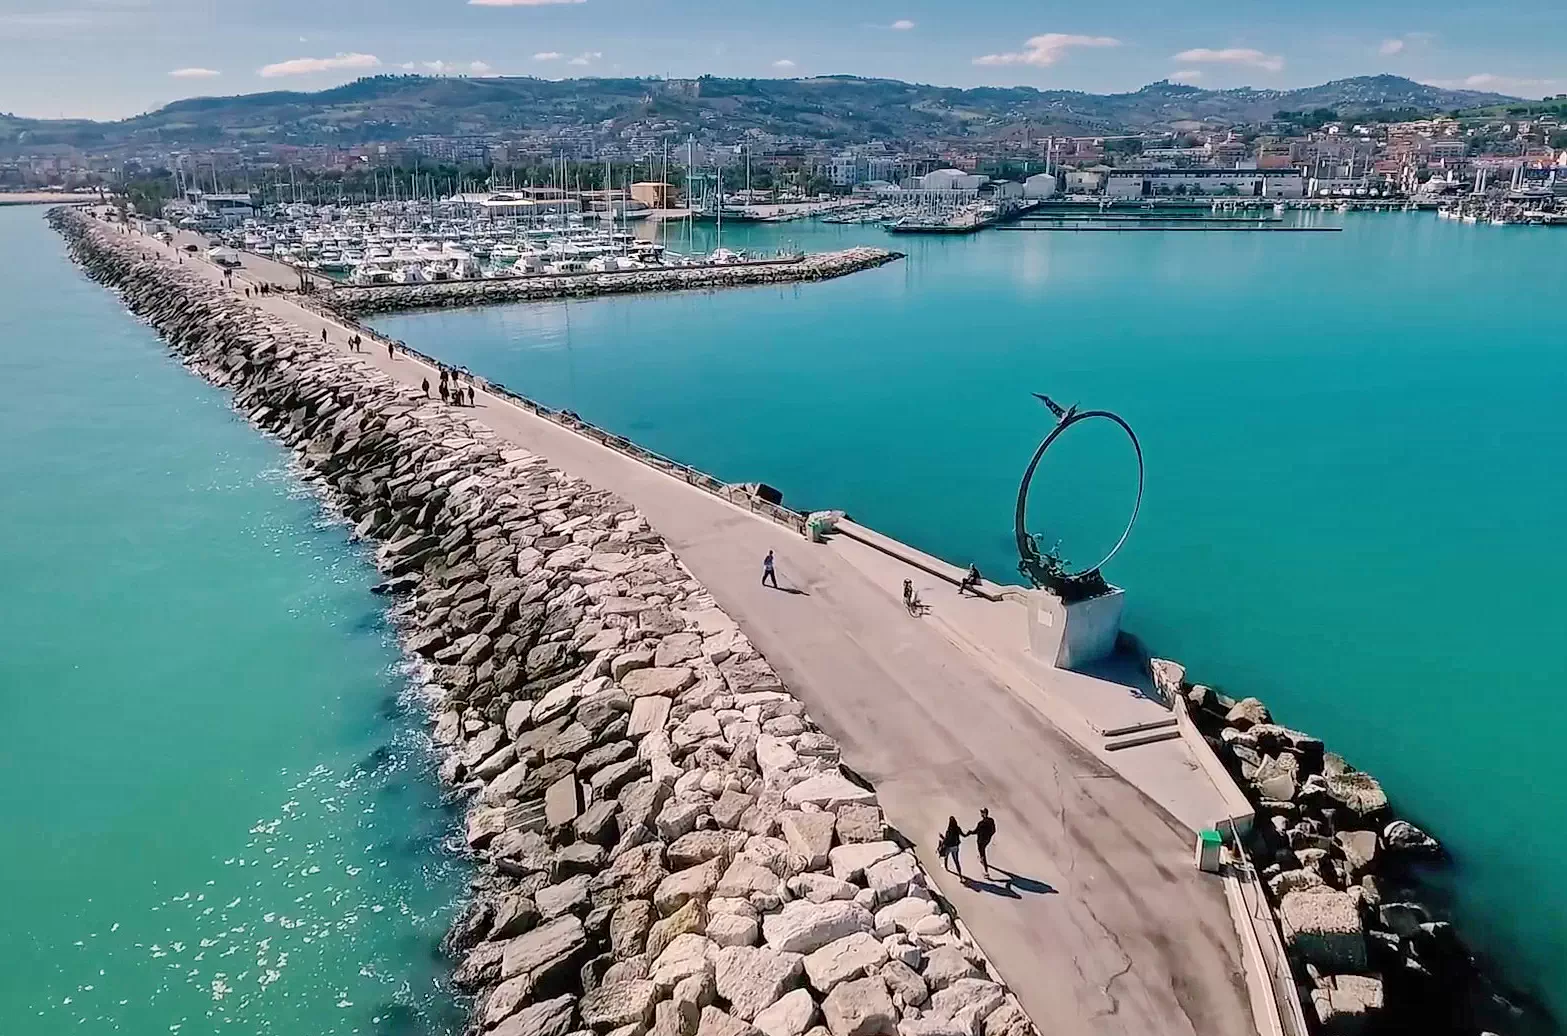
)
(115, 58)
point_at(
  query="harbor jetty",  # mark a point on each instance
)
(665, 841)
(697, 807)
(364, 300)
(1092, 917)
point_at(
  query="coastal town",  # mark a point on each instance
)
(1498, 163)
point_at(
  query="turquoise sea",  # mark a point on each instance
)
(217, 815)
(1354, 443)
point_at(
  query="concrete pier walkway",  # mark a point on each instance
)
(1100, 922)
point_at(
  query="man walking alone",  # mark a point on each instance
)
(768, 575)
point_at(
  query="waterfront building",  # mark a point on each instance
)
(522, 201)
(1040, 185)
(655, 194)
(1084, 181)
(1245, 183)
(951, 180)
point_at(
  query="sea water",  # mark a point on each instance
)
(216, 813)
(1354, 448)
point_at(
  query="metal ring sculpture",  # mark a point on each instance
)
(1047, 570)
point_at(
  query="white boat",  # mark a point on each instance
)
(371, 272)
(409, 273)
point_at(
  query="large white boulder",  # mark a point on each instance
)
(1323, 926)
(733, 930)
(889, 879)
(618, 1003)
(792, 1015)
(848, 861)
(945, 965)
(903, 914)
(809, 834)
(685, 956)
(860, 1008)
(802, 927)
(753, 978)
(828, 790)
(844, 959)
(544, 949)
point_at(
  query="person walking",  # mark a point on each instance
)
(983, 832)
(445, 392)
(426, 386)
(769, 576)
(949, 846)
(389, 351)
(323, 334)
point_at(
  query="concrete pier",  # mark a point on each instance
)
(1105, 926)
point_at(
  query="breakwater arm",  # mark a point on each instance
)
(352, 300)
(665, 839)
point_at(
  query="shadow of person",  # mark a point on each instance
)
(1004, 890)
(1026, 884)
(796, 591)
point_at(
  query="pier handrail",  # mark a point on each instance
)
(734, 494)
(1265, 924)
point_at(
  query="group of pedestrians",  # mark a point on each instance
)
(451, 388)
(951, 842)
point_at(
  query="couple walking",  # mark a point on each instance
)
(952, 842)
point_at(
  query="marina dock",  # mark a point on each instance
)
(1235, 226)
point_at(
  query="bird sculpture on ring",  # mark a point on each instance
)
(1047, 570)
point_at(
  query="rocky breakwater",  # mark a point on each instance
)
(664, 842)
(1347, 879)
(355, 301)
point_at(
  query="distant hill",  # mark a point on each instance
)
(837, 109)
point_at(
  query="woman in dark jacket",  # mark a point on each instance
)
(951, 842)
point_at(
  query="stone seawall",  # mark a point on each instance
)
(351, 300)
(1348, 881)
(665, 842)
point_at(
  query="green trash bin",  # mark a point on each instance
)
(1209, 843)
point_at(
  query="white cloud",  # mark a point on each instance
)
(1186, 75)
(194, 73)
(1233, 56)
(547, 55)
(1498, 84)
(310, 66)
(522, 3)
(1046, 49)
(450, 68)
(1390, 47)
(586, 58)
(902, 25)
(783, 63)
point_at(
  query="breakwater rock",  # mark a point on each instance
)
(351, 300)
(1345, 876)
(665, 842)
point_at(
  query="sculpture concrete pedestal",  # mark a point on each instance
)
(1071, 635)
